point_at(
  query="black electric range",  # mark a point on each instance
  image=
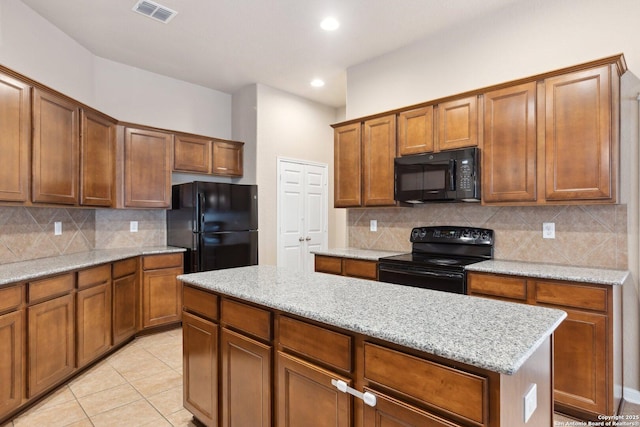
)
(438, 258)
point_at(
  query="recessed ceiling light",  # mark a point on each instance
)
(317, 83)
(329, 24)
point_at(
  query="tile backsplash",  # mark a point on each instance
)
(586, 235)
(28, 232)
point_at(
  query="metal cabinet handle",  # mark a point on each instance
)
(368, 398)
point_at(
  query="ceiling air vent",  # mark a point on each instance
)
(154, 11)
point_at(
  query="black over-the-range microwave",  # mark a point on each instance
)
(452, 175)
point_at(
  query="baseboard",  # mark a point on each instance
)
(631, 395)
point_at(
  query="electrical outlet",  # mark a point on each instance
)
(57, 228)
(133, 226)
(548, 230)
(373, 225)
(530, 402)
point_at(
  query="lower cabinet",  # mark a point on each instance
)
(93, 314)
(363, 269)
(125, 290)
(587, 345)
(161, 292)
(11, 356)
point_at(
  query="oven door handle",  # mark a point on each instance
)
(422, 273)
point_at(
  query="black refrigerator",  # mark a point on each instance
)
(216, 222)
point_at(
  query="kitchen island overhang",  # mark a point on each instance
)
(510, 345)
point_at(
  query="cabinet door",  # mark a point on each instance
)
(200, 368)
(378, 153)
(97, 160)
(580, 361)
(246, 381)
(93, 322)
(124, 308)
(161, 297)
(415, 131)
(147, 171)
(192, 154)
(458, 123)
(51, 343)
(306, 396)
(228, 158)
(510, 145)
(55, 149)
(578, 136)
(11, 354)
(390, 412)
(15, 139)
(347, 166)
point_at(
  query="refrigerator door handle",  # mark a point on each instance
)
(200, 202)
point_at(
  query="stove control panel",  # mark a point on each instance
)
(452, 234)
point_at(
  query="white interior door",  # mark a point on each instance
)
(302, 212)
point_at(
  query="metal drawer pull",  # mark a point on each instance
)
(369, 398)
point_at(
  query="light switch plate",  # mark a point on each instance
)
(530, 402)
(548, 230)
(373, 225)
(57, 228)
(133, 226)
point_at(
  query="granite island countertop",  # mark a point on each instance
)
(603, 276)
(357, 253)
(494, 335)
(36, 268)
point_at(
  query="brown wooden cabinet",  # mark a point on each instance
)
(415, 131)
(97, 159)
(192, 154)
(15, 139)
(124, 296)
(147, 168)
(458, 123)
(378, 153)
(93, 314)
(361, 268)
(228, 158)
(51, 343)
(581, 116)
(587, 345)
(12, 352)
(509, 164)
(347, 165)
(56, 149)
(161, 292)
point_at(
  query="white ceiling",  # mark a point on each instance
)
(227, 44)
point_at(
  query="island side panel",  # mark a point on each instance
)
(538, 369)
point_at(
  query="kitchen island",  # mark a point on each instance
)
(274, 347)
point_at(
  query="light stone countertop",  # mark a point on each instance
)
(33, 269)
(366, 254)
(602, 276)
(494, 335)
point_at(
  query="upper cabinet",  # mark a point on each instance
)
(458, 123)
(192, 154)
(56, 147)
(147, 168)
(580, 109)
(15, 139)
(363, 163)
(228, 158)
(415, 131)
(97, 159)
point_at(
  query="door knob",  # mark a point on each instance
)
(308, 238)
(300, 239)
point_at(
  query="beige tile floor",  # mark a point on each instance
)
(140, 385)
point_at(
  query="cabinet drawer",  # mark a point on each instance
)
(47, 288)
(125, 268)
(571, 295)
(252, 320)
(94, 276)
(498, 286)
(200, 302)
(361, 268)
(155, 262)
(437, 386)
(328, 264)
(320, 344)
(10, 298)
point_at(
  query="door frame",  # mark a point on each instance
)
(325, 232)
